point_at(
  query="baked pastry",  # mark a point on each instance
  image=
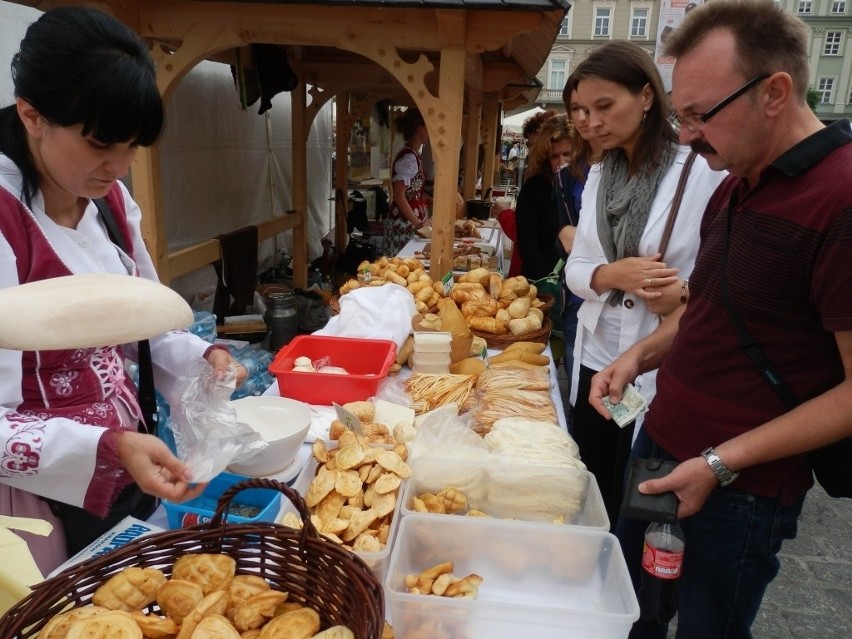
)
(131, 589)
(113, 624)
(177, 598)
(210, 571)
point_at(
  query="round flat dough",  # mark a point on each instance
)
(86, 311)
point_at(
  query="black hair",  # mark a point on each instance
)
(81, 66)
(408, 121)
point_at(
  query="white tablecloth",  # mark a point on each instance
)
(491, 234)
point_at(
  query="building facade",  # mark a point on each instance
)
(590, 23)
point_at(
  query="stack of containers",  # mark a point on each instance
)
(431, 352)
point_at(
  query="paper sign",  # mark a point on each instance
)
(349, 420)
(448, 282)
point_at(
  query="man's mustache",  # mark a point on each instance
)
(700, 146)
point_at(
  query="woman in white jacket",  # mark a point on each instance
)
(615, 264)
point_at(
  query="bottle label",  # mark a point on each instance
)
(665, 564)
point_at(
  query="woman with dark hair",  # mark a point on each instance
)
(85, 99)
(615, 265)
(410, 208)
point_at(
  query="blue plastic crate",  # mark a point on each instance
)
(201, 509)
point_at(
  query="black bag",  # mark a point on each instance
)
(82, 527)
(357, 251)
(832, 464)
(356, 217)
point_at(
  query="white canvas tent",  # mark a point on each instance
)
(222, 167)
(514, 123)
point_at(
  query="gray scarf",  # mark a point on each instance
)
(624, 204)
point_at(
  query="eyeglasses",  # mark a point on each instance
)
(696, 121)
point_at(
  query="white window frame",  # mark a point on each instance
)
(805, 7)
(838, 8)
(831, 44)
(608, 20)
(565, 26)
(825, 87)
(553, 72)
(644, 20)
(849, 99)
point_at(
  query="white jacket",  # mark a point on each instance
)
(636, 321)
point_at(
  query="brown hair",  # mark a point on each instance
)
(554, 129)
(767, 38)
(582, 154)
(629, 65)
(408, 121)
(533, 123)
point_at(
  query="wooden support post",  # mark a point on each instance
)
(343, 128)
(490, 115)
(298, 99)
(471, 142)
(444, 128)
(148, 193)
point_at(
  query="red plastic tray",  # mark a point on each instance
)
(366, 360)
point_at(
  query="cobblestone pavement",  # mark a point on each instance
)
(812, 596)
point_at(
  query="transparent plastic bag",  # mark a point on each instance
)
(206, 432)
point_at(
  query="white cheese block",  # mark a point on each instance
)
(85, 311)
(391, 415)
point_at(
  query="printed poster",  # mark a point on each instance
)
(671, 15)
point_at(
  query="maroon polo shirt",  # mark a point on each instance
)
(790, 279)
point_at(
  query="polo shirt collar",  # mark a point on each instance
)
(814, 148)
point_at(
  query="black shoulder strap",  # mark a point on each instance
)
(752, 348)
(147, 393)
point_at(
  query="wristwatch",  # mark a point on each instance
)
(724, 474)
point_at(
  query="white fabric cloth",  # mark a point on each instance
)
(66, 466)
(604, 332)
(373, 312)
(405, 168)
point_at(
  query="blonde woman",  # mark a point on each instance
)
(537, 221)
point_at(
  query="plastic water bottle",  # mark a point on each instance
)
(662, 562)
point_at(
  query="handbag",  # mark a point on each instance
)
(678, 198)
(830, 464)
(82, 527)
(551, 284)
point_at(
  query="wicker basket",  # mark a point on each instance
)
(542, 335)
(316, 572)
(547, 303)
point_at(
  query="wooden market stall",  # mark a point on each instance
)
(458, 61)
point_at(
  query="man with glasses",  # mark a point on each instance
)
(776, 239)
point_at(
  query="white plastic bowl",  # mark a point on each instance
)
(282, 422)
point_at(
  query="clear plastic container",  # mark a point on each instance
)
(376, 561)
(432, 342)
(538, 580)
(512, 492)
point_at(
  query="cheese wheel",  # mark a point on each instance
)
(86, 311)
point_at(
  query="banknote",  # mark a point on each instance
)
(629, 408)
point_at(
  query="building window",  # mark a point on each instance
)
(805, 7)
(564, 28)
(556, 77)
(825, 86)
(639, 23)
(603, 16)
(850, 97)
(832, 43)
(838, 7)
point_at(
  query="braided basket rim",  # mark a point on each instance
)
(314, 571)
